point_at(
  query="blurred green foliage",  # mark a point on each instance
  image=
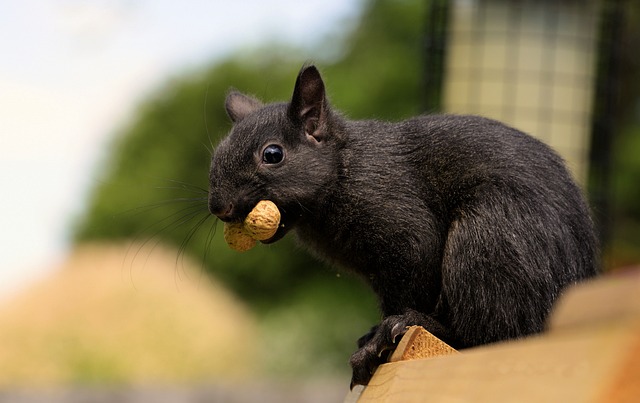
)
(624, 249)
(153, 183)
(615, 163)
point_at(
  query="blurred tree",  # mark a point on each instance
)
(380, 74)
(153, 184)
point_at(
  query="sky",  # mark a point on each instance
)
(72, 72)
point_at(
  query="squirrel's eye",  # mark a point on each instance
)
(273, 154)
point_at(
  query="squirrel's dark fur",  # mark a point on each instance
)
(460, 224)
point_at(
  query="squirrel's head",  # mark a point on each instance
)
(283, 152)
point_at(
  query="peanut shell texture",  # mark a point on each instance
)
(237, 238)
(262, 222)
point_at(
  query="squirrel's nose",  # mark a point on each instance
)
(221, 210)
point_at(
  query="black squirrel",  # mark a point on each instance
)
(460, 224)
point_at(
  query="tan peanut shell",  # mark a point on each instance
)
(262, 222)
(237, 238)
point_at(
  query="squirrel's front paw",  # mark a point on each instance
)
(376, 346)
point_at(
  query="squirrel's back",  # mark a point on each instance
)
(403, 186)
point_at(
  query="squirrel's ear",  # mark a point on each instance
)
(308, 103)
(239, 105)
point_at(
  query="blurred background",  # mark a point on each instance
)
(115, 281)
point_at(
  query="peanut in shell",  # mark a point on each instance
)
(260, 224)
(237, 238)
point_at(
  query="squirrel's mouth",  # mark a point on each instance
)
(280, 233)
